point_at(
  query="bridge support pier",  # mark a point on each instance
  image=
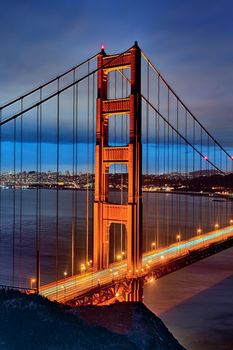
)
(136, 290)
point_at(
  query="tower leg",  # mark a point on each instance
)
(136, 290)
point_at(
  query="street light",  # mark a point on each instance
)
(65, 274)
(64, 288)
(89, 263)
(231, 222)
(32, 280)
(153, 245)
(178, 237)
(83, 268)
(199, 230)
(216, 226)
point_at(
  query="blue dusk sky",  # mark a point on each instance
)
(190, 42)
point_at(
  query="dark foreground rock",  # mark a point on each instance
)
(32, 322)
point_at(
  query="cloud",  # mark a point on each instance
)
(190, 43)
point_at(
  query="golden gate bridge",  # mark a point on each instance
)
(147, 188)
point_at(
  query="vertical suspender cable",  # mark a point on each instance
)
(147, 160)
(186, 175)
(193, 199)
(158, 155)
(173, 177)
(87, 175)
(177, 169)
(14, 205)
(168, 161)
(37, 193)
(21, 197)
(164, 175)
(73, 178)
(39, 204)
(76, 174)
(201, 196)
(155, 177)
(57, 187)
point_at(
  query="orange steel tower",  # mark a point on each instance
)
(106, 213)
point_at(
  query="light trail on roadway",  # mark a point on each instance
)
(71, 287)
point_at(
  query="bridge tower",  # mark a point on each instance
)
(106, 213)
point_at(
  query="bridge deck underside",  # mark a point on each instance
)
(64, 290)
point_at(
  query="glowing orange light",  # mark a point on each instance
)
(32, 280)
(117, 294)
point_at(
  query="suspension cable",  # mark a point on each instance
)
(16, 115)
(181, 136)
(182, 103)
(32, 91)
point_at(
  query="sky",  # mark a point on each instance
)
(190, 42)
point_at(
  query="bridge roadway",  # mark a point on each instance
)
(67, 289)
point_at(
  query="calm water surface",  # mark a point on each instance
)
(47, 217)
